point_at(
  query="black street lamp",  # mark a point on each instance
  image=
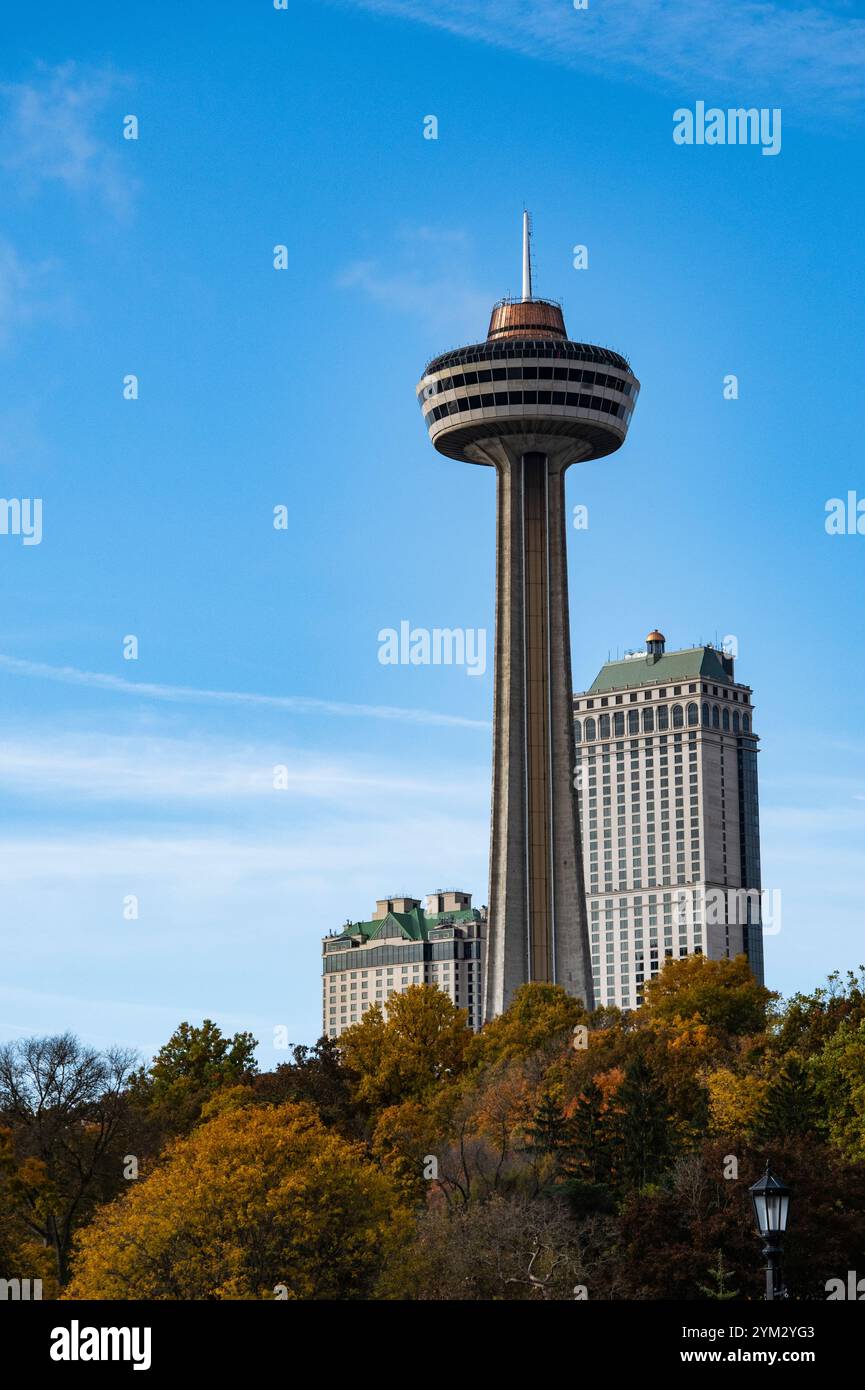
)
(771, 1198)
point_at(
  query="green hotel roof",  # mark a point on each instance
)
(705, 662)
(412, 926)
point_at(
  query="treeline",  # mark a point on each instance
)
(555, 1155)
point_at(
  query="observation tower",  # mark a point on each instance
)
(529, 402)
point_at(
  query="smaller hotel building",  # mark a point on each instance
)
(404, 944)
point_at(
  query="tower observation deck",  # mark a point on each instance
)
(529, 402)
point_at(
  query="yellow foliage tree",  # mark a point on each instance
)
(734, 1101)
(405, 1139)
(539, 1016)
(723, 994)
(261, 1202)
(422, 1042)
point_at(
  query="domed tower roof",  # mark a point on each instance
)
(656, 636)
(526, 318)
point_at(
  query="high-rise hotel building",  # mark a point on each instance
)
(403, 945)
(667, 780)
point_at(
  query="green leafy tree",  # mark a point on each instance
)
(791, 1107)
(643, 1139)
(548, 1131)
(187, 1071)
(839, 1072)
(591, 1131)
(719, 1275)
(808, 1021)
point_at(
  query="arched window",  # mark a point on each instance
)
(746, 723)
(633, 722)
(725, 720)
(693, 714)
(663, 717)
(590, 730)
(706, 715)
(648, 721)
(716, 717)
(578, 730)
(737, 723)
(618, 724)
(678, 717)
(604, 726)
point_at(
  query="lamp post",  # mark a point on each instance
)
(771, 1199)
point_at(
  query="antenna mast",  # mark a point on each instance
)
(527, 257)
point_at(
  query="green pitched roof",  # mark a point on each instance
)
(411, 926)
(705, 662)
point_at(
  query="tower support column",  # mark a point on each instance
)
(537, 923)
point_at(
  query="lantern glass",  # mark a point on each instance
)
(771, 1200)
(773, 1211)
(782, 1213)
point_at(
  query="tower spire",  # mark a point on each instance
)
(527, 257)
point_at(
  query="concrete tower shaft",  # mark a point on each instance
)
(529, 402)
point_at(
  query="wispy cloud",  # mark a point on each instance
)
(137, 768)
(424, 277)
(25, 292)
(59, 128)
(298, 704)
(795, 53)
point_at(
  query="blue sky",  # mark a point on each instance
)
(259, 647)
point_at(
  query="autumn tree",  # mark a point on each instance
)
(734, 1101)
(539, 1017)
(259, 1202)
(723, 994)
(63, 1110)
(319, 1075)
(420, 1043)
